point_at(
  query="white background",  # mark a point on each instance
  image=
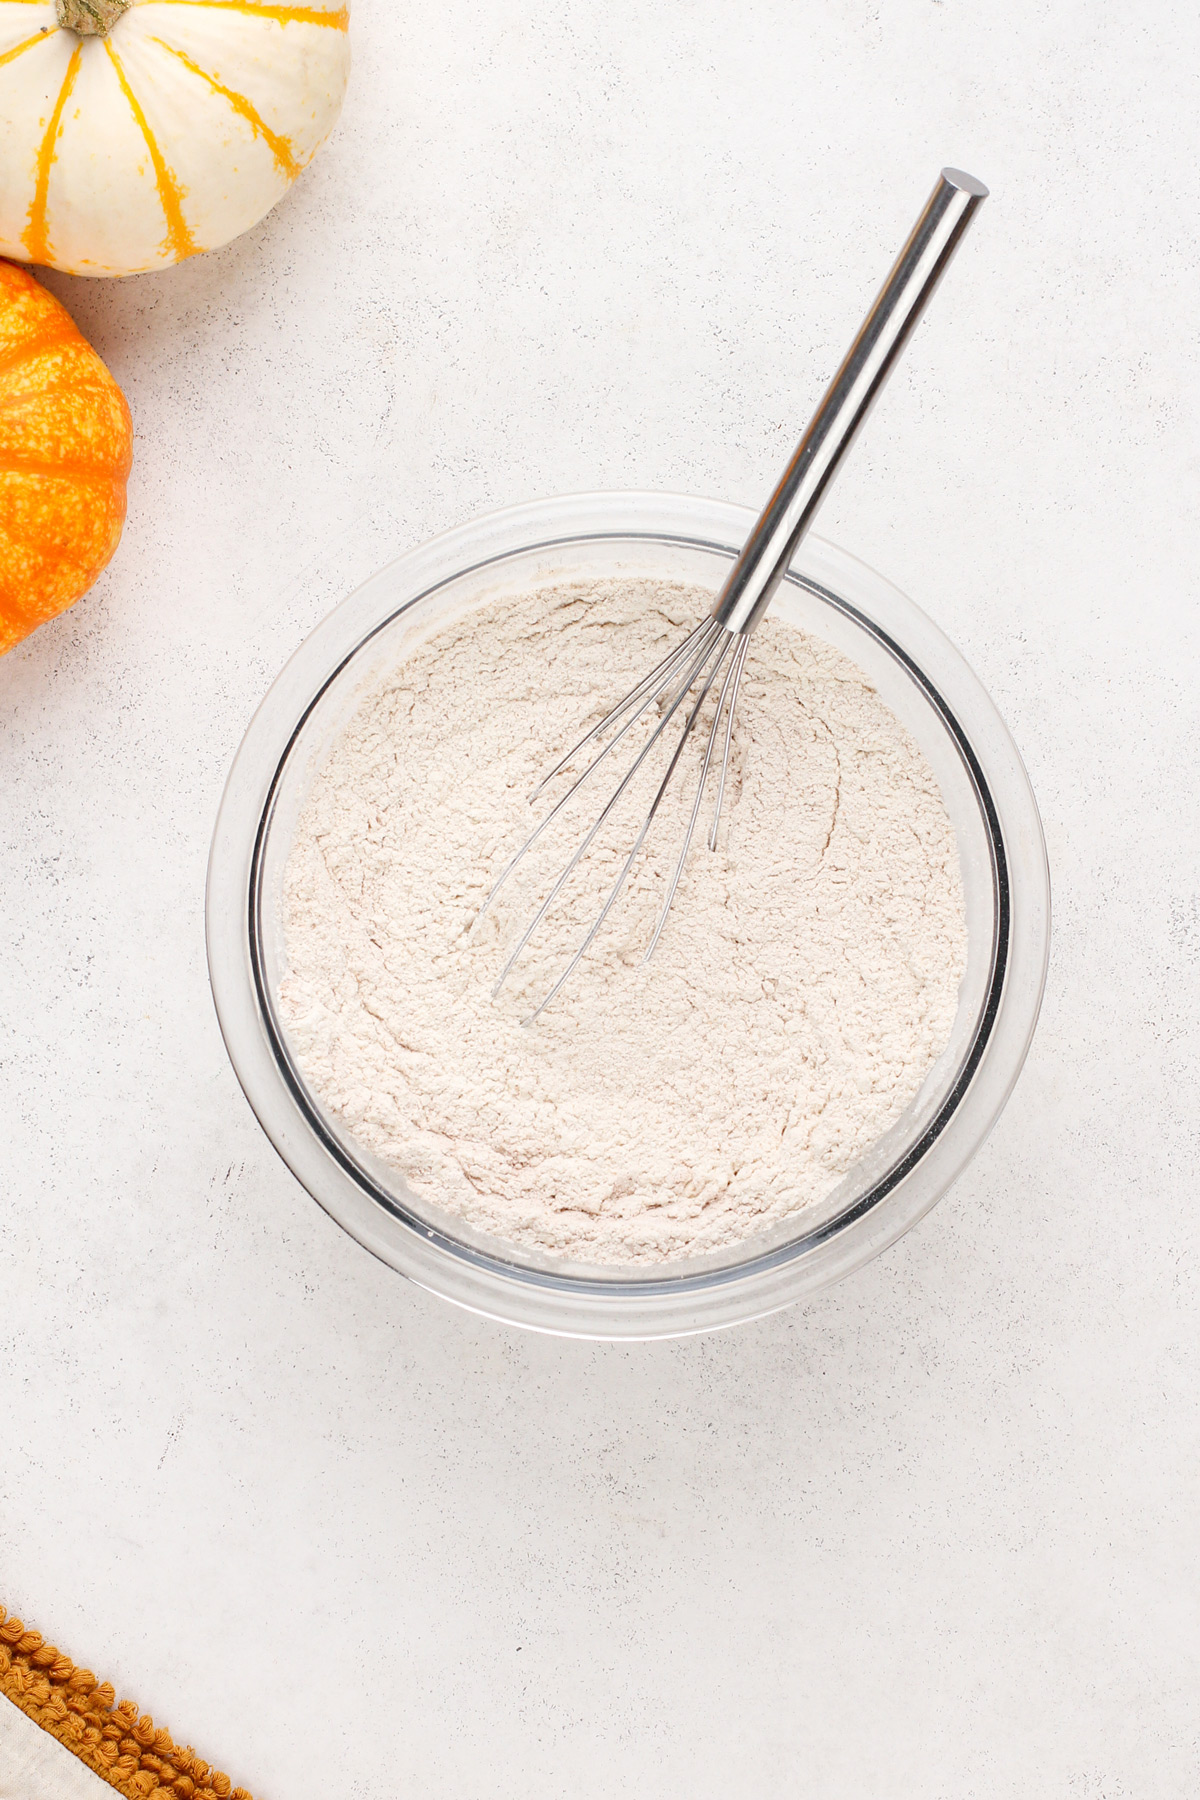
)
(931, 1537)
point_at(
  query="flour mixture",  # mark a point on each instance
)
(805, 984)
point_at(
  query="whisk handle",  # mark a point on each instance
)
(871, 358)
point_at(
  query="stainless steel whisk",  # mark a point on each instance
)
(716, 649)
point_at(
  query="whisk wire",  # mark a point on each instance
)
(619, 883)
(736, 671)
(705, 633)
(694, 670)
(665, 669)
(730, 679)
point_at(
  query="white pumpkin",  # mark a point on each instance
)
(137, 132)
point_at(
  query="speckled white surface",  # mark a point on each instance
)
(930, 1537)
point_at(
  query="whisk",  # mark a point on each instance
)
(713, 655)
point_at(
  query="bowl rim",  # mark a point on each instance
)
(622, 1304)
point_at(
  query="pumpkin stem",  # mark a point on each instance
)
(90, 18)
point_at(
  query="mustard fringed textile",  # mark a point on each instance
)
(130, 1752)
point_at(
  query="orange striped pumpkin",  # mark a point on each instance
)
(65, 442)
(138, 132)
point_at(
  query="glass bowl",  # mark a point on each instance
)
(931, 690)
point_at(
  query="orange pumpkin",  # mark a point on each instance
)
(65, 449)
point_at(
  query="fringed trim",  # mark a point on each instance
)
(129, 1752)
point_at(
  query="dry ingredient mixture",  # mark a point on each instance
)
(805, 984)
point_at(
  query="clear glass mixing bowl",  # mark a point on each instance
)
(925, 682)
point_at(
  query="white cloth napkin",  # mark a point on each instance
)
(35, 1766)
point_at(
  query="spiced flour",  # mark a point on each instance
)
(805, 984)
